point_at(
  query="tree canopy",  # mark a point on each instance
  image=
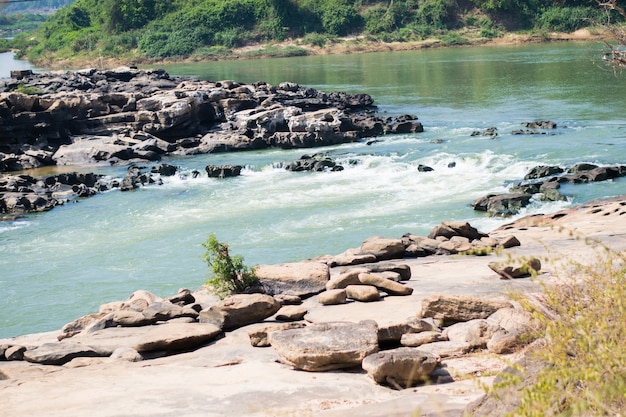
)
(183, 28)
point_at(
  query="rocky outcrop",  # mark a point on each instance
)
(543, 182)
(125, 114)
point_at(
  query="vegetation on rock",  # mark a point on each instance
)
(230, 275)
(582, 318)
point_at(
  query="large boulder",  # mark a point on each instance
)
(383, 248)
(456, 308)
(173, 337)
(296, 278)
(326, 346)
(240, 310)
(400, 368)
(502, 204)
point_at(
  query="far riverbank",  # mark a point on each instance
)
(340, 46)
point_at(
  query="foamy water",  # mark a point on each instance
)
(59, 265)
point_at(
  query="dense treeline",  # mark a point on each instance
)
(183, 28)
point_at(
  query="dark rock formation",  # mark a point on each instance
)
(543, 183)
(126, 114)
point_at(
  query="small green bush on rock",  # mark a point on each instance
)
(230, 275)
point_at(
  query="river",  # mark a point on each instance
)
(59, 265)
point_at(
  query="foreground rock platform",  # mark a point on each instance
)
(227, 375)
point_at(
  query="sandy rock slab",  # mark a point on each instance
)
(326, 346)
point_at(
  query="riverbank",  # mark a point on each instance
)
(338, 46)
(230, 376)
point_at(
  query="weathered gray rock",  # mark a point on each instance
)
(165, 310)
(332, 297)
(452, 229)
(384, 284)
(541, 171)
(130, 318)
(476, 332)
(502, 204)
(240, 310)
(364, 293)
(400, 368)
(455, 308)
(296, 278)
(223, 171)
(326, 346)
(259, 337)
(419, 339)
(287, 299)
(14, 353)
(60, 353)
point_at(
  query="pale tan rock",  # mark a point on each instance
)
(383, 248)
(401, 368)
(348, 277)
(419, 339)
(455, 308)
(332, 297)
(474, 332)
(446, 349)
(503, 341)
(295, 278)
(384, 284)
(239, 310)
(177, 336)
(326, 346)
(291, 313)
(259, 337)
(364, 293)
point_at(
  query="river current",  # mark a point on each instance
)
(59, 265)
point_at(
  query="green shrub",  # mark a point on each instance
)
(453, 39)
(566, 19)
(229, 274)
(435, 13)
(26, 89)
(212, 52)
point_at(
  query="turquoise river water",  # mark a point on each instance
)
(59, 265)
